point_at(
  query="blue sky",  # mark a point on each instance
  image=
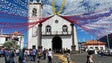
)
(14, 11)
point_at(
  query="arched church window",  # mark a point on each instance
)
(48, 28)
(65, 28)
(34, 12)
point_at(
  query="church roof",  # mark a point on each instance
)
(67, 19)
(45, 19)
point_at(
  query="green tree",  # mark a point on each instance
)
(11, 44)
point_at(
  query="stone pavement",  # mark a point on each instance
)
(76, 58)
(63, 58)
(55, 60)
(81, 58)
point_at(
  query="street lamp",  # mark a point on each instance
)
(108, 41)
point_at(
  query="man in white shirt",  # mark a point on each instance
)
(50, 56)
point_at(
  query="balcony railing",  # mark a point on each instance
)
(56, 33)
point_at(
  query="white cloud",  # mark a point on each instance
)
(47, 10)
(103, 25)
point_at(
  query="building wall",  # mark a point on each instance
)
(2, 40)
(66, 41)
(99, 46)
(21, 41)
(56, 26)
(47, 41)
(33, 28)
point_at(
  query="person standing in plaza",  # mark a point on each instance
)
(50, 56)
(44, 54)
(12, 55)
(34, 54)
(68, 55)
(90, 57)
(39, 55)
(30, 56)
(17, 52)
(22, 58)
(6, 55)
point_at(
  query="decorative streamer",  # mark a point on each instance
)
(91, 15)
(53, 7)
(61, 8)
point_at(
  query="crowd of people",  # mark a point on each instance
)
(33, 55)
(8, 55)
(25, 55)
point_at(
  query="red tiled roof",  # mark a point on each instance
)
(93, 42)
(16, 33)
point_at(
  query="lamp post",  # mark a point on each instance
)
(108, 41)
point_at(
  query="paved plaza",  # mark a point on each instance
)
(81, 58)
(76, 58)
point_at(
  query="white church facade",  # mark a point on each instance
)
(54, 32)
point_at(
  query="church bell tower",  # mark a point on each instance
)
(34, 16)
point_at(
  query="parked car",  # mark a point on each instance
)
(109, 51)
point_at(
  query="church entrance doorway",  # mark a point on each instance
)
(57, 44)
